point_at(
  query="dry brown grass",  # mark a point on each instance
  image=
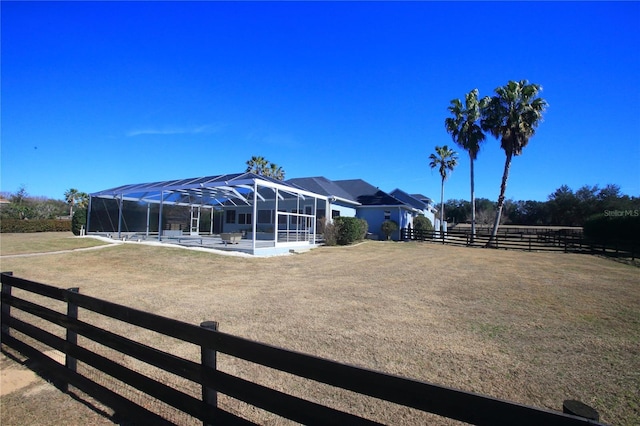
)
(535, 328)
(43, 242)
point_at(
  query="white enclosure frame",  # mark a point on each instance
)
(223, 192)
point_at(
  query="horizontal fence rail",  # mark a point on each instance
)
(568, 241)
(456, 404)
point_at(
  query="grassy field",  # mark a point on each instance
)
(535, 328)
(42, 242)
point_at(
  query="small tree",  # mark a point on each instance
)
(78, 221)
(389, 227)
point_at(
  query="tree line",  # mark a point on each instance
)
(564, 207)
(20, 205)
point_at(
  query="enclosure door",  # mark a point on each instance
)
(195, 220)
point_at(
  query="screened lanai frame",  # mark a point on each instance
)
(222, 193)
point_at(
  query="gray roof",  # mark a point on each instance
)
(409, 199)
(367, 194)
(422, 197)
(322, 185)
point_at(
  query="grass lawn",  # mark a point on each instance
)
(535, 328)
(41, 242)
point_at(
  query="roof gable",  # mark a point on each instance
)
(367, 194)
(409, 199)
(322, 185)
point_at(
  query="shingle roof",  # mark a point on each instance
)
(409, 199)
(367, 194)
(321, 185)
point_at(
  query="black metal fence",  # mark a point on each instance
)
(21, 335)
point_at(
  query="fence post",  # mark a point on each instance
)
(209, 359)
(580, 409)
(6, 308)
(72, 338)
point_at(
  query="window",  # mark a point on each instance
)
(308, 209)
(244, 218)
(335, 213)
(321, 213)
(265, 216)
(387, 215)
(231, 216)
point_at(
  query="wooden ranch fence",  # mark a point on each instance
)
(22, 335)
(559, 241)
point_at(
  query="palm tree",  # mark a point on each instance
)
(257, 165)
(445, 160)
(465, 131)
(263, 167)
(512, 115)
(275, 171)
(70, 196)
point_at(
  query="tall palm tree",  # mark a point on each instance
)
(445, 160)
(512, 115)
(70, 196)
(466, 132)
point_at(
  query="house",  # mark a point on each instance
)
(376, 206)
(357, 198)
(340, 202)
(265, 215)
(422, 203)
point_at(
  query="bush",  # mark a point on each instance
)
(602, 228)
(20, 226)
(389, 227)
(350, 230)
(330, 233)
(364, 229)
(422, 223)
(78, 221)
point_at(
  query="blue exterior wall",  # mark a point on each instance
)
(374, 215)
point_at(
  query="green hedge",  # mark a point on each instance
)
(621, 225)
(48, 225)
(350, 229)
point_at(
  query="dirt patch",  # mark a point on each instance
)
(12, 379)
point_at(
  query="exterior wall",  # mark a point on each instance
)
(343, 210)
(375, 216)
(431, 216)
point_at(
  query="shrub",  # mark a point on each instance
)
(422, 223)
(78, 221)
(330, 232)
(389, 227)
(350, 230)
(602, 228)
(364, 228)
(49, 225)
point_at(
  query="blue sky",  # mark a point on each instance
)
(99, 94)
